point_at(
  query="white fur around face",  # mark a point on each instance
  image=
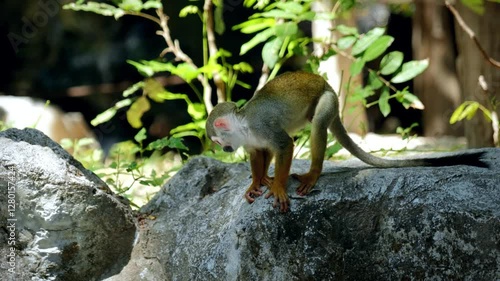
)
(238, 134)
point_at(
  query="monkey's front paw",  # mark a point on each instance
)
(307, 182)
(280, 199)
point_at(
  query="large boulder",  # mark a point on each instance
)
(359, 223)
(58, 221)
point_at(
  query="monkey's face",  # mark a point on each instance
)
(225, 146)
(227, 133)
(223, 127)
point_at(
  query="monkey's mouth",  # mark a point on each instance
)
(227, 149)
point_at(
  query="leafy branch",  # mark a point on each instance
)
(214, 65)
(368, 47)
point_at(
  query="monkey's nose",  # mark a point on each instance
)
(228, 149)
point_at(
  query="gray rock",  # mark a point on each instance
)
(65, 223)
(360, 223)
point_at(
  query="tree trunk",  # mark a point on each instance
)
(472, 66)
(438, 86)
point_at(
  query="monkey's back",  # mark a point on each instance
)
(295, 87)
(288, 100)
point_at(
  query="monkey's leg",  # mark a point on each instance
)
(259, 163)
(267, 180)
(283, 162)
(323, 116)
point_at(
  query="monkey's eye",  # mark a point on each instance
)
(227, 149)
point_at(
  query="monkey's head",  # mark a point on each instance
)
(224, 128)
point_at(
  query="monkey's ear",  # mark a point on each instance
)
(222, 124)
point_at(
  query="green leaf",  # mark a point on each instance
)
(408, 100)
(132, 166)
(333, 149)
(166, 95)
(346, 42)
(286, 29)
(149, 68)
(366, 40)
(346, 30)
(166, 142)
(132, 89)
(291, 7)
(307, 16)
(276, 13)
(189, 9)
(183, 128)
(98, 8)
(378, 47)
(177, 143)
(196, 110)
(391, 62)
(455, 117)
(361, 93)
(144, 70)
(136, 110)
(243, 67)
(357, 66)
(383, 102)
(257, 39)
(152, 4)
(123, 103)
(153, 89)
(374, 81)
(131, 5)
(254, 25)
(141, 135)
(103, 117)
(270, 51)
(220, 25)
(410, 70)
(186, 71)
(469, 111)
(158, 66)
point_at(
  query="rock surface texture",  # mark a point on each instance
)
(359, 223)
(58, 221)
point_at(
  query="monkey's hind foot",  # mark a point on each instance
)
(307, 182)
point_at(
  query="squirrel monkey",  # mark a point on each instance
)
(284, 105)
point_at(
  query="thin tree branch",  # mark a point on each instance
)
(174, 47)
(212, 48)
(471, 34)
(144, 15)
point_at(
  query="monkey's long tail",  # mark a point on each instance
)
(467, 158)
